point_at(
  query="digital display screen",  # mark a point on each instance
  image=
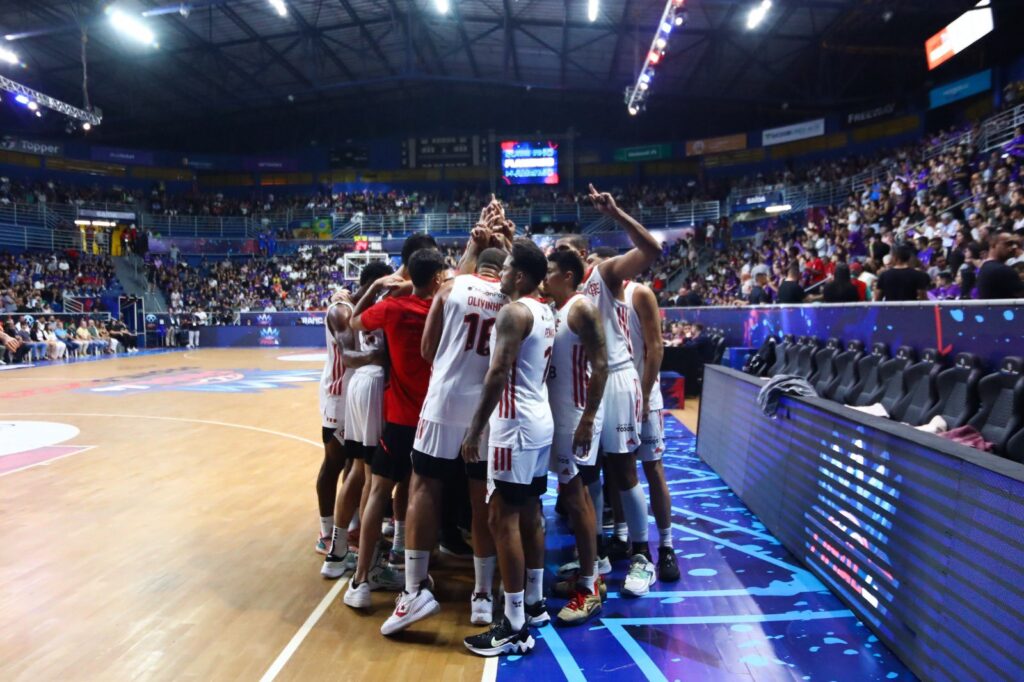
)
(529, 163)
(917, 542)
(967, 29)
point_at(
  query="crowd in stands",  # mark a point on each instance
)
(51, 338)
(942, 228)
(35, 282)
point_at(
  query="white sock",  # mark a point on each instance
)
(589, 582)
(417, 562)
(326, 525)
(339, 539)
(399, 542)
(634, 506)
(354, 523)
(665, 535)
(622, 531)
(483, 572)
(514, 610)
(534, 585)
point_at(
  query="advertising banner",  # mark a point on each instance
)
(19, 144)
(651, 152)
(716, 145)
(871, 114)
(797, 131)
(753, 202)
(282, 319)
(270, 163)
(231, 336)
(961, 89)
(115, 155)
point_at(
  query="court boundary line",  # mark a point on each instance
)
(299, 637)
(210, 422)
(84, 448)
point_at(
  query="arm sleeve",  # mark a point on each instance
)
(376, 316)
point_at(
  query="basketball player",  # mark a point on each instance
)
(623, 402)
(363, 420)
(456, 340)
(333, 381)
(519, 443)
(576, 381)
(648, 349)
(402, 319)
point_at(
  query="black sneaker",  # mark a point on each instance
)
(537, 614)
(453, 545)
(500, 640)
(668, 570)
(618, 549)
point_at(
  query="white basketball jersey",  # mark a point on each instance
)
(569, 376)
(635, 333)
(332, 380)
(367, 341)
(464, 352)
(614, 316)
(522, 419)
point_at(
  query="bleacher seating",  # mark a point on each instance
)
(846, 372)
(869, 368)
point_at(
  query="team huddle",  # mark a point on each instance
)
(447, 395)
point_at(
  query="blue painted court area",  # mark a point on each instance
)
(744, 609)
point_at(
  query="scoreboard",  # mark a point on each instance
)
(458, 151)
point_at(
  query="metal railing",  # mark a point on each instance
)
(999, 129)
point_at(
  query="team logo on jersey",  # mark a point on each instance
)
(270, 336)
(263, 320)
(206, 381)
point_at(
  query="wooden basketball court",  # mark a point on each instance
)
(172, 536)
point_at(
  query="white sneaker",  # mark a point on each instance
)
(640, 577)
(410, 608)
(604, 567)
(336, 566)
(383, 577)
(358, 596)
(481, 609)
(387, 528)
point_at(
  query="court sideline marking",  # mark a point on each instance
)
(307, 627)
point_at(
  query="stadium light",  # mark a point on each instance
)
(32, 106)
(592, 8)
(21, 99)
(26, 95)
(672, 16)
(778, 208)
(442, 6)
(8, 56)
(279, 7)
(86, 126)
(131, 27)
(757, 14)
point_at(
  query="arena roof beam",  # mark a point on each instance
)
(466, 44)
(424, 30)
(368, 37)
(510, 40)
(613, 64)
(274, 54)
(554, 50)
(317, 38)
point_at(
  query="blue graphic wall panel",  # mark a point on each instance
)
(993, 331)
(919, 536)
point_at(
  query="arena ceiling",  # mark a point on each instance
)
(372, 64)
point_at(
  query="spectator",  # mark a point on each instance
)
(840, 289)
(996, 279)
(790, 290)
(901, 282)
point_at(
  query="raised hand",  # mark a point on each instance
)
(603, 201)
